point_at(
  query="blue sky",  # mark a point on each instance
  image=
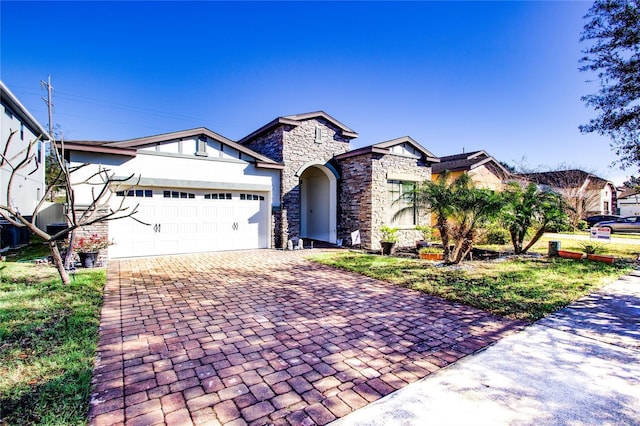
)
(498, 76)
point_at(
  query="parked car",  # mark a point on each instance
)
(623, 224)
(592, 220)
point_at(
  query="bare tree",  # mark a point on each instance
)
(103, 185)
(580, 190)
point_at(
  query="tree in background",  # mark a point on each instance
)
(632, 183)
(579, 189)
(613, 53)
(103, 184)
(528, 209)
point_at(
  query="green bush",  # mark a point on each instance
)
(497, 236)
(582, 225)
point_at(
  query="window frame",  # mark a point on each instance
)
(395, 191)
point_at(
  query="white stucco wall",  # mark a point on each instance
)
(177, 170)
(629, 206)
(27, 187)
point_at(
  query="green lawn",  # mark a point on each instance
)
(620, 250)
(521, 288)
(48, 337)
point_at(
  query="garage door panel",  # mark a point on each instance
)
(185, 222)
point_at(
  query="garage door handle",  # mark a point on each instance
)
(156, 227)
(235, 226)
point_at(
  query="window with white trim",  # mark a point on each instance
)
(401, 199)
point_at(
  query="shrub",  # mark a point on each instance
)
(389, 234)
(426, 231)
(431, 250)
(498, 236)
(592, 248)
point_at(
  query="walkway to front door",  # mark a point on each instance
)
(266, 337)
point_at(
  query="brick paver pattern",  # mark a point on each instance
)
(265, 337)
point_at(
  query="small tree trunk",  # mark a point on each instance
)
(443, 228)
(516, 241)
(59, 262)
(69, 255)
(539, 233)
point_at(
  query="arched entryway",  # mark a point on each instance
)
(318, 202)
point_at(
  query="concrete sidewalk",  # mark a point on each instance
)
(580, 366)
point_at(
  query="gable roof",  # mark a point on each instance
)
(469, 161)
(130, 146)
(295, 120)
(11, 101)
(571, 178)
(628, 192)
(385, 148)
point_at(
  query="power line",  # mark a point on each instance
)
(131, 108)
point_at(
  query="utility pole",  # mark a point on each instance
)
(48, 102)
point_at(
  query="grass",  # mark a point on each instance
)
(48, 338)
(522, 288)
(620, 250)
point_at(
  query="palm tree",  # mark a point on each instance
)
(460, 209)
(530, 208)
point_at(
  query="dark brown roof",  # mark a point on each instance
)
(469, 161)
(628, 192)
(100, 147)
(571, 178)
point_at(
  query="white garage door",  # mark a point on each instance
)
(188, 221)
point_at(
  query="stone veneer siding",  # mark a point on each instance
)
(363, 196)
(354, 199)
(296, 146)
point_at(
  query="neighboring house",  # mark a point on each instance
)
(28, 185)
(292, 178)
(629, 202)
(484, 170)
(586, 193)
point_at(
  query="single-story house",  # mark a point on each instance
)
(483, 169)
(586, 193)
(295, 177)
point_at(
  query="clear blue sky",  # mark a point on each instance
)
(498, 76)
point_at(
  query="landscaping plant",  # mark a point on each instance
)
(528, 209)
(460, 209)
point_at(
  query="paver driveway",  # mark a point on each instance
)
(265, 337)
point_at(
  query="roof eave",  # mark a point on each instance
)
(100, 149)
(265, 165)
(185, 134)
(17, 107)
(270, 125)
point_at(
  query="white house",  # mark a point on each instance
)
(196, 191)
(28, 185)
